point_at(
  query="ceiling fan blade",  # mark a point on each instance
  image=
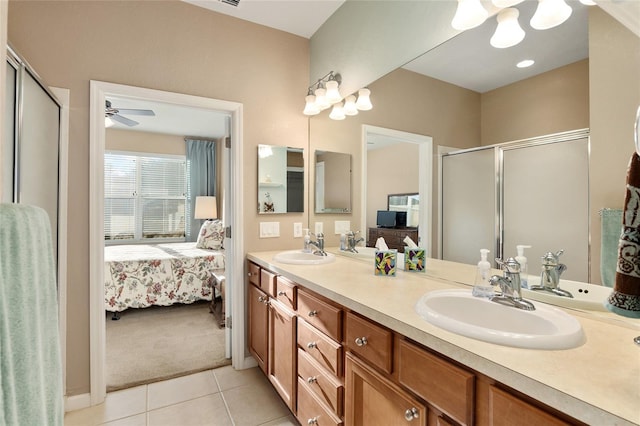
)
(147, 112)
(124, 120)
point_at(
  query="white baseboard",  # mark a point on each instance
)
(77, 402)
(249, 362)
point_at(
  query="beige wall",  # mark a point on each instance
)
(144, 142)
(390, 170)
(552, 102)
(171, 46)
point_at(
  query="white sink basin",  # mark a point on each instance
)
(461, 313)
(298, 257)
(585, 296)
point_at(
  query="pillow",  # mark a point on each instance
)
(211, 235)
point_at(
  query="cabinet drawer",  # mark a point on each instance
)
(369, 340)
(268, 282)
(322, 315)
(447, 387)
(286, 292)
(326, 387)
(254, 274)
(506, 409)
(310, 409)
(320, 347)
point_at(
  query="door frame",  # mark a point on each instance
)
(233, 252)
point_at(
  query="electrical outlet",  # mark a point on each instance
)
(319, 228)
(297, 230)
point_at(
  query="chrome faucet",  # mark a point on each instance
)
(318, 244)
(550, 277)
(352, 242)
(509, 283)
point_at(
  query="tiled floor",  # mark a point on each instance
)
(215, 397)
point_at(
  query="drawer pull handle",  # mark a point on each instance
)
(361, 341)
(312, 421)
(313, 313)
(410, 414)
(282, 293)
(312, 380)
(312, 345)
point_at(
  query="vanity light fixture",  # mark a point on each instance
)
(108, 122)
(326, 93)
(549, 14)
(508, 33)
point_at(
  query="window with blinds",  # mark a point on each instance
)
(145, 197)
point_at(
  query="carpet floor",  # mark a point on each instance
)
(162, 342)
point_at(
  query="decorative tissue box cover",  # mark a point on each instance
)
(414, 259)
(385, 262)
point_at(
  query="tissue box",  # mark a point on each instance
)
(414, 259)
(385, 262)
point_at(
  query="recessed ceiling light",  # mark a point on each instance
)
(526, 63)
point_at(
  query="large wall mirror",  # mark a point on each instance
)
(280, 179)
(333, 182)
(605, 95)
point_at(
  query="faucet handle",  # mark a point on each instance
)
(510, 265)
(551, 259)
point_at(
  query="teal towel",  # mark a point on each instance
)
(30, 366)
(611, 227)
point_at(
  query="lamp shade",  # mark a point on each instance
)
(349, 107)
(333, 93)
(364, 101)
(508, 33)
(469, 14)
(206, 208)
(550, 13)
(337, 113)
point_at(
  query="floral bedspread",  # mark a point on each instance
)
(139, 276)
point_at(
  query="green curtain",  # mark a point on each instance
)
(201, 180)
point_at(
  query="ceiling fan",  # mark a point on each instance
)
(114, 114)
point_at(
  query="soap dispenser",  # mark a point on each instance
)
(307, 239)
(482, 287)
(522, 260)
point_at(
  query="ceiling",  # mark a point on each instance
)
(468, 60)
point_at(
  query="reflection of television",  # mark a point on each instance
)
(386, 219)
(401, 219)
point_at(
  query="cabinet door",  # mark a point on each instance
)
(373, 400)
(282, 351)
(506, 409)
(258, 325)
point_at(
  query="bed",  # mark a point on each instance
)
(139, 276)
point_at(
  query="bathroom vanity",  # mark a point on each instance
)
(342, 346)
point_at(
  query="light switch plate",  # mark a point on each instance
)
(319, 228)
(297, 230)
(269, 229)
(342, 226)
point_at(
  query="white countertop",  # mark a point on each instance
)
(597, 383)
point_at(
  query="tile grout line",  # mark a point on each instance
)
(224, 400)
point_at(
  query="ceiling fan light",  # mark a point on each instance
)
(550, 13)
(337, 113)
(349, 107)
(310, 108)
(364, 101)
(333, 94)
(508, 32)
(469, 14)
(505, 3)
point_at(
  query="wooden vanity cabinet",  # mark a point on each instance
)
(282, 351)
(258, 325)
(372, 399)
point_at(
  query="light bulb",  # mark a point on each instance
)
(550, 13)
(364, 102)
(508, 32)
(469, 14)
(333, 94)
(310, 107)
(349, 107)
(321, 99)
(337, 113)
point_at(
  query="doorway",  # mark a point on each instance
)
(232, 207)
(425, 173)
